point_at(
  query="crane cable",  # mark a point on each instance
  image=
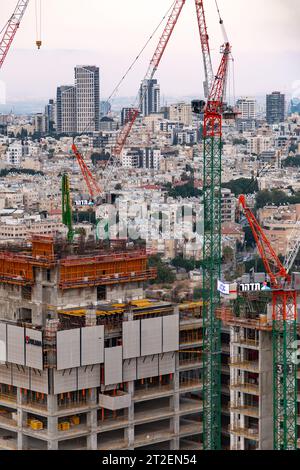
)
(38, 22)
(140, 53)
(112, 94)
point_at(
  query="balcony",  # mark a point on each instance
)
(242, 364)
(245, 410)
(246, 387)
(248, 433)
(250, 343)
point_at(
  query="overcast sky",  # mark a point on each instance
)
(265, 36)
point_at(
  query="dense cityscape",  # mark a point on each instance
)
(104, 301)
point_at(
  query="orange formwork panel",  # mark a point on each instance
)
(15, 269)
(43, 247)
(105, 269)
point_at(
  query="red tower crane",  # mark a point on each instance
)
(204, 38)
(11, 28)
(284, 312)
(92, 185)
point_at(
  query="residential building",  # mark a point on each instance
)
(14, 154)
(51, 116)
(275, 108)
(228, 206)
(40, 123)
(149, 97)
(181, 112)
(66, 110)
(247, 108)
(87, 83)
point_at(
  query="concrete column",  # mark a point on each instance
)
(92, 441)
(52, 445)
(129, 432)
(22, 441)
(92, 397)
(52, 426)
(52, 404)
(129, 436)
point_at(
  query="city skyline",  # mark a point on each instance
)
(265, 61)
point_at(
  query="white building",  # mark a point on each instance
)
(257, 145)
(87, 83)
(247, 107)
(149, 97)
(66, 110)
(14, 154)
(181, 112)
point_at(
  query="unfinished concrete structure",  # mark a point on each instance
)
(86, 362)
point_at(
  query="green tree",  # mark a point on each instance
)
(292, 162)
(242, 186)
(164, 273)
(228, 254)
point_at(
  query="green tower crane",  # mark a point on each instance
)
(67, 207)
(212, 251)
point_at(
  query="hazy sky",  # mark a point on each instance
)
(265, 35)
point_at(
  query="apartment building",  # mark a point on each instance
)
(87, 84)
(14, 154)
(181, 112)
(66, 110)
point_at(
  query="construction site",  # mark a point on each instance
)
(89, 363)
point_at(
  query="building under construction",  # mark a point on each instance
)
(87, 362)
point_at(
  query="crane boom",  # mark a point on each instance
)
(293, 247)
(93, 187)
(284, 331)
(204, 38)
(265, 248)
(153, 66)
(165, 37)
(11, 29)
(154, 63)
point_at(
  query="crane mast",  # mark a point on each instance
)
(11, 29)
(67, 206)
(284, 331)
(212, 253)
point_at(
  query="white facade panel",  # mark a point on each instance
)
(92, 345)
(89, 377)
(166, 363)
(170, 333)
(147, 367)
(20, 376)
(68, 349)
(39, 381)
(15, 345)
(131, 339)
(6, 374)
(129, 370)
(151, 336)
(34, 348)
(113, 368)
(65, 381)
